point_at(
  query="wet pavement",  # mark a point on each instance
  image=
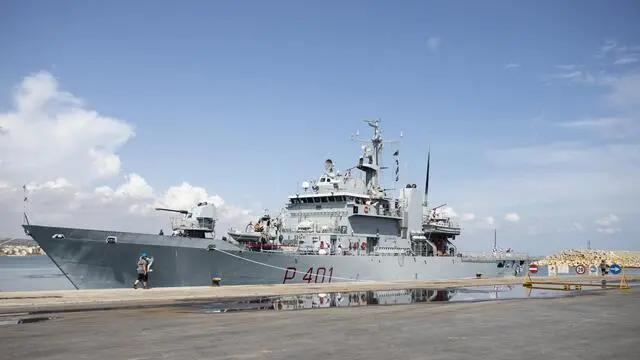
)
(387, 297)
(373, 298)
(310, 301)
(462, 323)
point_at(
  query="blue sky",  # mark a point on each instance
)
(246, 99)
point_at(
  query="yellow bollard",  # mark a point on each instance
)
(623, 279)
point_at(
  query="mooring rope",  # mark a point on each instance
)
(281, 268)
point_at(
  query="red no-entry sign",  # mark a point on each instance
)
(533, 268)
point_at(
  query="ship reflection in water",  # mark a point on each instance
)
(372, 298)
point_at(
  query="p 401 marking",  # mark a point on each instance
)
(321, 275)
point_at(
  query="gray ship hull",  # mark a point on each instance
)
(90, 262)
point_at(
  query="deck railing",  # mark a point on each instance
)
(491, 256)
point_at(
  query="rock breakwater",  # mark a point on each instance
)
(20, 250)
(588, 257)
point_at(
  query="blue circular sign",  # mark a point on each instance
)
(593, 269)
(615, 269)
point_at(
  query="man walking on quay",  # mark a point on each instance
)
(143, 271)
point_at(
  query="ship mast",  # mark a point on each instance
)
(426, 182)
(495, 239)
(369, 162)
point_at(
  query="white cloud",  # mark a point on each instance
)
(608, 230)
(608, 47)
(450, 212)
(566, 67)
(619, 54)
(61, 150)
(630, 59)
(608, 220)
(571, 76)
(447, 211)
(511, 66)
(512, 217)
(577, 154)
(433, 43)
(489, 221)
(595, 123)
(562, 183)
(625, 91)
(554, 185)
(467, 217)
(605, 126)
(50, 135)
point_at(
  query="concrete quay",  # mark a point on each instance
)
(603, 325)
(118, 298)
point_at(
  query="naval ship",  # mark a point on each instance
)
(339, 227)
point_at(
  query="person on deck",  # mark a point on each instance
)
(143, 271)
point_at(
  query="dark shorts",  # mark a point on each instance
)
(143, 277)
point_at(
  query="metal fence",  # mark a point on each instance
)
(491, 256)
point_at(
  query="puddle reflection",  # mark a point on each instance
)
(372, 298)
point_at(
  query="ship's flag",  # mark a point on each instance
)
(396, 154)
(24, 188)
(397, 169)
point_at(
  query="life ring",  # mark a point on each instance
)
(363, 245)
(366, 209)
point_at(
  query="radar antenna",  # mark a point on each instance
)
(369, 162)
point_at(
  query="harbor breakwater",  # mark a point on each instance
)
(20, 250)
(19, 247)
(588, 257)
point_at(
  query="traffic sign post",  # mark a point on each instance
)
(615, 269)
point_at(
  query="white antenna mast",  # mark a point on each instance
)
(25, 217)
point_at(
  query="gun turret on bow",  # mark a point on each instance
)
(197, 222)
(185, 212)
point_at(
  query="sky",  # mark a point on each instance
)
(531, 111)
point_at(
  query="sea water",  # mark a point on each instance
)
(28, 273)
